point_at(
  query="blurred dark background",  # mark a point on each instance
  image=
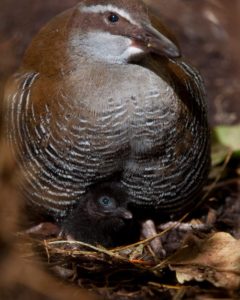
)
(208, 32)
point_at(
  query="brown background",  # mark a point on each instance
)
(208, 31)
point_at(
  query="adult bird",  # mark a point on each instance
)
(102, 91)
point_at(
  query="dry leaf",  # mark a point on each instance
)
(215, 259)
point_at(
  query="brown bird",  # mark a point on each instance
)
(102, 91)
(102, 217)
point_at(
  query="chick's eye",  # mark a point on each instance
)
(106, 202)
(113, 18)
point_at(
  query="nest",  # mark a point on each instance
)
(136, 271)
(43, 267)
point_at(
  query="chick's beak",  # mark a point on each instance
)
(124, 213)
(154, 41)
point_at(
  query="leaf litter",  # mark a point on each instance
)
(202, 250)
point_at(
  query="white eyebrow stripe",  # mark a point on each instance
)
(111, 8)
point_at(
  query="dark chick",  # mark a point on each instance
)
(102, 217)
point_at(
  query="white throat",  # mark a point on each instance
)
(104, 47)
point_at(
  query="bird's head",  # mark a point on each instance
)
(117, 31)
(107, 201)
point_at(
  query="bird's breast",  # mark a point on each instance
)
(72, 130)
(128, 101)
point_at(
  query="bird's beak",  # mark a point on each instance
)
(154, 41)
(124, 213)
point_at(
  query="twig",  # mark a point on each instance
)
(78, 243)
(160, 285)
(223, 184)
(148, 240)
(185, 226)
(212, 186)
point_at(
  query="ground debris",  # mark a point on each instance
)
(215, 259)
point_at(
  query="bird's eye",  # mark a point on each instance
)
(106, 202)
(113, 18)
